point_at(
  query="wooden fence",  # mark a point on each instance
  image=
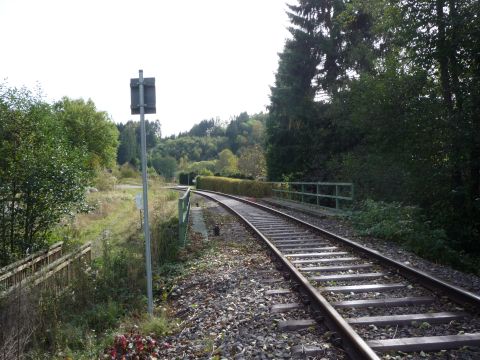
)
(16, 272)
(60, 267)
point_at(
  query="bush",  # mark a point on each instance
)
(156, 326)
(407, 226)
(165, 240)
(104, 180)
(234, 186)
(128, 171)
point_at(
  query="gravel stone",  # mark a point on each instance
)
(222, 307)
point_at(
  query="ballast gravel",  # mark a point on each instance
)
(222, 307)
(340, 226)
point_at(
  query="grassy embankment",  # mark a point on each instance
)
(81, 321)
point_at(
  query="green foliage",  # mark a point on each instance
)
(407, 226)
(191, 147)
(252, 162)
(390, 221)
(165, 166)
(227, 163)
(42, 175)
(202, 166)
(95, 302)
(234, 186)
(91, 129)
(207, 128)
(128, 171)
(129, 148)
(382, 93)
(157, 326)
(104, 180)
(165, 240)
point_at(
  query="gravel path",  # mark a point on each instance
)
(222, 305)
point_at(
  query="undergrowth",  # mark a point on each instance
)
(407, 226)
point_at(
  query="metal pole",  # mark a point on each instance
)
(146, 228)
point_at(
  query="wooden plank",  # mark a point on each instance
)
(50, 269)
(29, 263)
(318, 261)
(431, 318)
(319, 254)
(403, 301)
(281, 308)
(426, 343)
(289, 325)
(347, 277)
(324, 261)
(363, 288)
(52, 249)
(278, 292)
(339, 268)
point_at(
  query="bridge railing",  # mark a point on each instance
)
(329, 195)
(183, 215)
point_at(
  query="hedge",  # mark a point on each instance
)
(234, 186)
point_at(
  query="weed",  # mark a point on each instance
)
(156, 326)
(407, 226)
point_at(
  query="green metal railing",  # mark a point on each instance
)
(183, 214)
(323, 194)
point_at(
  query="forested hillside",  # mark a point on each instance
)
(211, 146)
(385, 94)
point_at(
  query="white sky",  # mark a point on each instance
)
(210, 58)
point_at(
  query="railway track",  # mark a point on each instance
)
(372, 303)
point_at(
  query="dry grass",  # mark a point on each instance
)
(115, 216)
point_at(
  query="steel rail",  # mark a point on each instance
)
(455, 293)
(354, 344)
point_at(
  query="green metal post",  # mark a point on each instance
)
(180, 218)
(303, 190)
(318, 192)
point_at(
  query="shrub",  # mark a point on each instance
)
(104, 180)
(234, 186)
(165, 240)
(128, 171)
(408, 226)
(156, 326)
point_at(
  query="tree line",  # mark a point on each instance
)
(210, 146)
(385, 94)
(49, 154)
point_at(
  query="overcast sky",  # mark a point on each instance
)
(210, 58)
